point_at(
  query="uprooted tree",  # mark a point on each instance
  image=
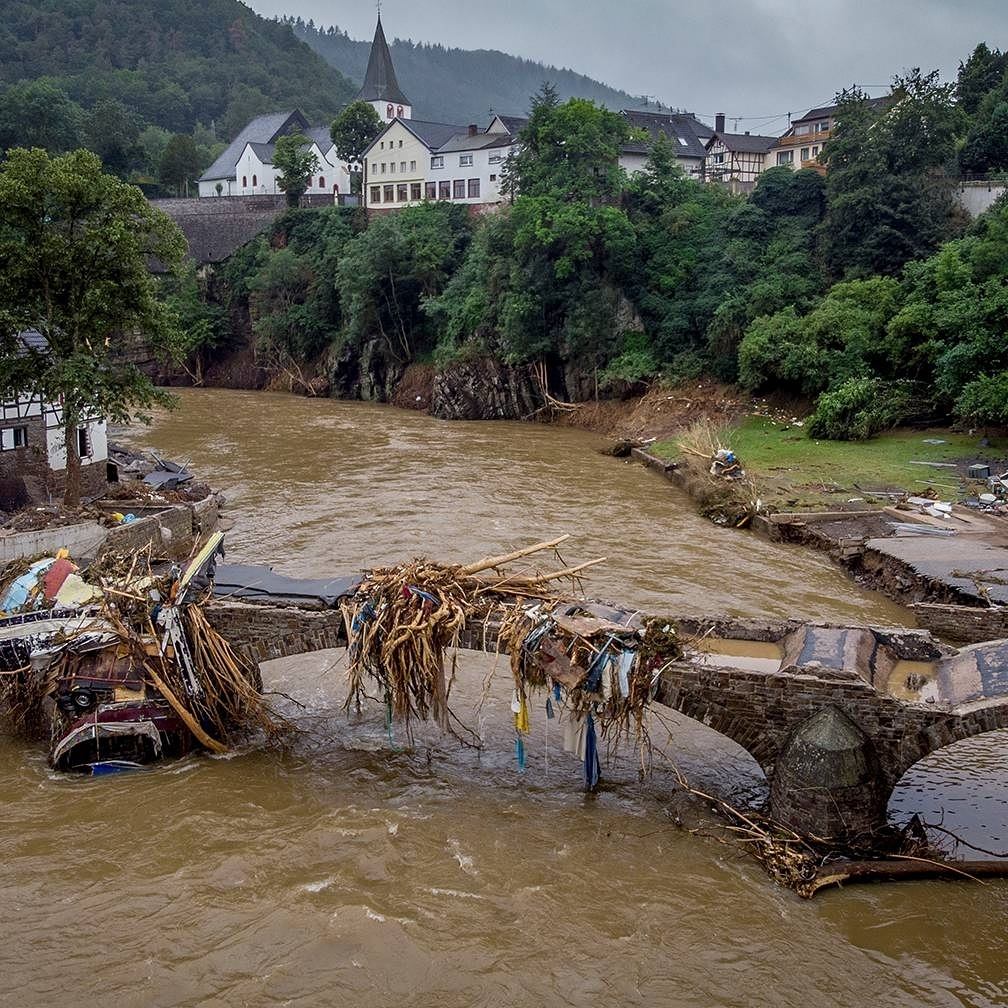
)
(76, 246)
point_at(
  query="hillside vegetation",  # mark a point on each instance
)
(460, 85)
(126, 78)
(866, 292)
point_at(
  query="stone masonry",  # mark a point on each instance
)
(766, 713)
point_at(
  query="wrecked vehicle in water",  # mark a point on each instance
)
(131, 675)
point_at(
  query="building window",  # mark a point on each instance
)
(83, 443)
(244, 181)
(383, 167)
(496, 159)
(415, 190)
(388, 111)
(399, 112)
(401, 196)
(822, 127)
(321, 182)
(785, 157)
(400, 142)
(444, 190)
(458, 189)
(802, 130)
(804, 153)
(493, 178)
(437, 162)
(391, 167)
(465, 160)
(430, 191)
(375, 194)
(402, 167)
(389, 194)
(718, 159)
(255, 181)
(14, 437)
(474, 188)
(412, 166)
(815, 152)
(374, 167)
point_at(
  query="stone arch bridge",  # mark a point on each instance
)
(848, 711)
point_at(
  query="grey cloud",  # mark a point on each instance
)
(752, 58)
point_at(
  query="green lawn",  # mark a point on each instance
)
(794, 471)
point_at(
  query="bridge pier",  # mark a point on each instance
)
(827, 781)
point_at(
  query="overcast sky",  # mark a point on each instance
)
(747, 58)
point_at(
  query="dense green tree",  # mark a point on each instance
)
(888, 187)
(294, 158)
(352, 132)
(983, 72)
(75, 244)
(389, 271)
(180, 164)
(986, 146)
(113, 133)
(568, 150)
(39, 114)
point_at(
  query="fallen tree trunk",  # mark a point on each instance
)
(899, 869)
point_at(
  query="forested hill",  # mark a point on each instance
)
(460, 85)
(172, 63)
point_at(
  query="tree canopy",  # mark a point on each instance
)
(75, 249)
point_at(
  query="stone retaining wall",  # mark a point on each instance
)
(963, 624)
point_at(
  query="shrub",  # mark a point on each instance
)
(860, 408)
(985, 399)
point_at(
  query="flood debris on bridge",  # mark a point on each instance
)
(133, 672)
(403, 621)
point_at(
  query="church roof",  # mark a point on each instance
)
(321, 135)
(263, 129)
(380, 82)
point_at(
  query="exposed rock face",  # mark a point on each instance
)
(485, 389)
(370, 373)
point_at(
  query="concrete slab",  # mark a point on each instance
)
(937, 557)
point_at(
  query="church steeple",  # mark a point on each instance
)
(381, 89)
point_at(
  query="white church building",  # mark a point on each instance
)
(414, 160)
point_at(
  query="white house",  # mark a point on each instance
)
(687, 134)
(33, 455)
(411, 161)
(736, 160)
(246, 168)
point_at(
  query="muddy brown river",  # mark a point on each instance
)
(352, 871)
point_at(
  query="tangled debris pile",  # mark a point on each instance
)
(132, 671)
(599, 666)
(402, 620)
(726, 495)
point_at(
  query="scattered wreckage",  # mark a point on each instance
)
(117, 665)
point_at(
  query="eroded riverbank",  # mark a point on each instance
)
(350, 870)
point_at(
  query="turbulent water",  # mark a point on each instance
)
(352, 871)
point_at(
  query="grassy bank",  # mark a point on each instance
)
(793, 471)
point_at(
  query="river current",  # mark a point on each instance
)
(351, 870)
